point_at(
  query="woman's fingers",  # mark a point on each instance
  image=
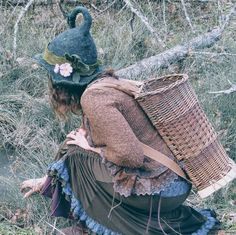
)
(77, 135)
(78, 138)
(29, 193)
(72, 136)
(74, 142)
(33, 185)
(72, 132)
(26, 184)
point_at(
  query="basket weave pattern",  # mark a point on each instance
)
(173, 108)
(189, 134)
(168, 103)
(202, 174)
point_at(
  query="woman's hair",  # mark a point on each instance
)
(65, 100)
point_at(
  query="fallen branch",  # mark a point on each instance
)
(168, 57)
(163, 60)
(228, 91)
(213, 53)
(144, 19)
(23, 11)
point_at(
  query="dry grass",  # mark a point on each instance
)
(29, 128)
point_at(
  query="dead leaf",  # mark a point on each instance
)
(21, 61)
(20, 216)
(232, 217)
(34, 66)
(172, 9)
(8, 56)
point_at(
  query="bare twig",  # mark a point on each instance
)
(226, 19)
(54, 228)
(102, 11)
(219, 12)
(94, 7)
(8, 20)
(164, 16)
(186, 15)
(41, 2)
(64, 13)
(227, 91)
(144, 19)
(132, 22)
(16, 26)
(54, 225)
(163, 60)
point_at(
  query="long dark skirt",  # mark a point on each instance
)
(83, 189)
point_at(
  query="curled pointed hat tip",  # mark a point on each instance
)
(86, 25)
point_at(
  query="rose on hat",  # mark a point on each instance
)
(64, 69)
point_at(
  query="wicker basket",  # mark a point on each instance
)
(174, 110)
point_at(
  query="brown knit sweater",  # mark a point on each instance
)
(116, 123)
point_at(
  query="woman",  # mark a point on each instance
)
(100, 175)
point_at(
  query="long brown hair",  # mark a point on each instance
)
(65, 100)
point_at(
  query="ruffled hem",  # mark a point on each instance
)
(209, 224)
(128, 182)
(59, 170)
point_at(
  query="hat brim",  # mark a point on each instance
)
(70, 80)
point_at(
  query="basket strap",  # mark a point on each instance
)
(163, 159)
(127, 87)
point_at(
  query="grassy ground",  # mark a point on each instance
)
(29, 128)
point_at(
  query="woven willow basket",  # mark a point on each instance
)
(172, 106)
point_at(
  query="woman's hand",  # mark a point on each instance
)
(79, 139)
(33, 186)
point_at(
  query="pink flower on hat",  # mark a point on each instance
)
(56, 68)
(64, 69)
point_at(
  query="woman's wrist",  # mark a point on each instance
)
(45, 177)
(96, 150)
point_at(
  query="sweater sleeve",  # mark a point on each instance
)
(121, 146)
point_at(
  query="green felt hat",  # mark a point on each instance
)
(71, 57)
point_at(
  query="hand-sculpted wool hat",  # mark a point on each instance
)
(71, 57)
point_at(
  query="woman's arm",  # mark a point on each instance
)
(108, 124)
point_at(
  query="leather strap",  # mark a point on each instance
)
(132, 89)
(163, 159)
(128, 88)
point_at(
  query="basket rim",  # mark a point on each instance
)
(162, 90)
(230, 176)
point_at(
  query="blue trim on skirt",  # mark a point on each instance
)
(59, 167)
